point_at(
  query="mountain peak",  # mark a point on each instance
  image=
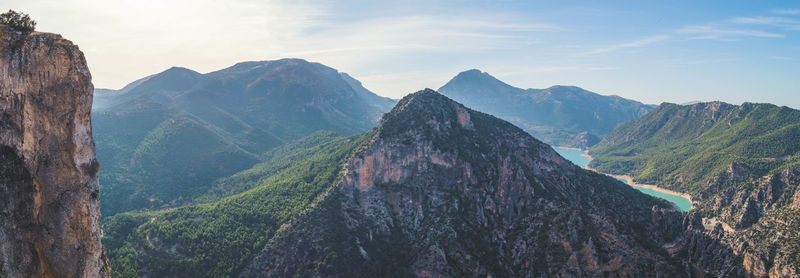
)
(477, 75)
(476, 85)
(248, 65)
(473, 72)
(177, 73)
(426, 109)
(476, 186)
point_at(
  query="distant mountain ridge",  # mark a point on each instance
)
(164, 138)
(559, 115)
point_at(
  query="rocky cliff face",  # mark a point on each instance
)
(441, 190)
(763, 239)
(49, 205)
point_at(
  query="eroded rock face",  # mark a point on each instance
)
(764, 217)
(443, 191)
(49, 205)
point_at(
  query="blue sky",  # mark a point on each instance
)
(651, 51)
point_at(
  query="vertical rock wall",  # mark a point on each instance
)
(49, 193)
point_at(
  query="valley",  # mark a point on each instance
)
(581, 158)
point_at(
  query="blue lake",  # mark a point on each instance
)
(576, 156)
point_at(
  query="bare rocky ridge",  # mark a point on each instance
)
(49, 193)
(441, 190)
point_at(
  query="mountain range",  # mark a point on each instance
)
(273, 190)
(435, 189)
(560, 115)
(164, 139)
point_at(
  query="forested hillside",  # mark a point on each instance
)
(164, 139)
(219, 237)
(740, 163)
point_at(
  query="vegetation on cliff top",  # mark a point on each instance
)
(18, 21)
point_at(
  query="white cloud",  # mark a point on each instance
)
(127, 39)
(783, 58)
(787, 11)
(533, 70)
(632, 44)
(713, 32)
(146, 36)
(781, 22)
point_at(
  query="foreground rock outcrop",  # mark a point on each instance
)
(444, 191)
(49, 193)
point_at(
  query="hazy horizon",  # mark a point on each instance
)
(650, 52)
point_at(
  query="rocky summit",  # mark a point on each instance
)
(49, 199)
(442, 190)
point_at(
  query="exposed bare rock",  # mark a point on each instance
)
(49, 205)
(705, 251)
(765, 241)
(444, 191)
(738, 170)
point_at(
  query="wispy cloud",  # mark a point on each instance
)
(368, 40)
(787, 11)
(632, 44)
(783, 58)
(688, 63)
(365, 46)
(729, 30)
(723, 33)
(533, 70)
(776, 21)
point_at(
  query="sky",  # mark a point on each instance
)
(650, 51)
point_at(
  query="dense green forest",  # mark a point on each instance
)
(217, 237)
(163, 140)
(681, 147)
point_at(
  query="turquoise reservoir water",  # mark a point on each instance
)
(683, 204)
(576, 156)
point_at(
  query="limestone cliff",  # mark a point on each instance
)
(444, 191)
(49, 205)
